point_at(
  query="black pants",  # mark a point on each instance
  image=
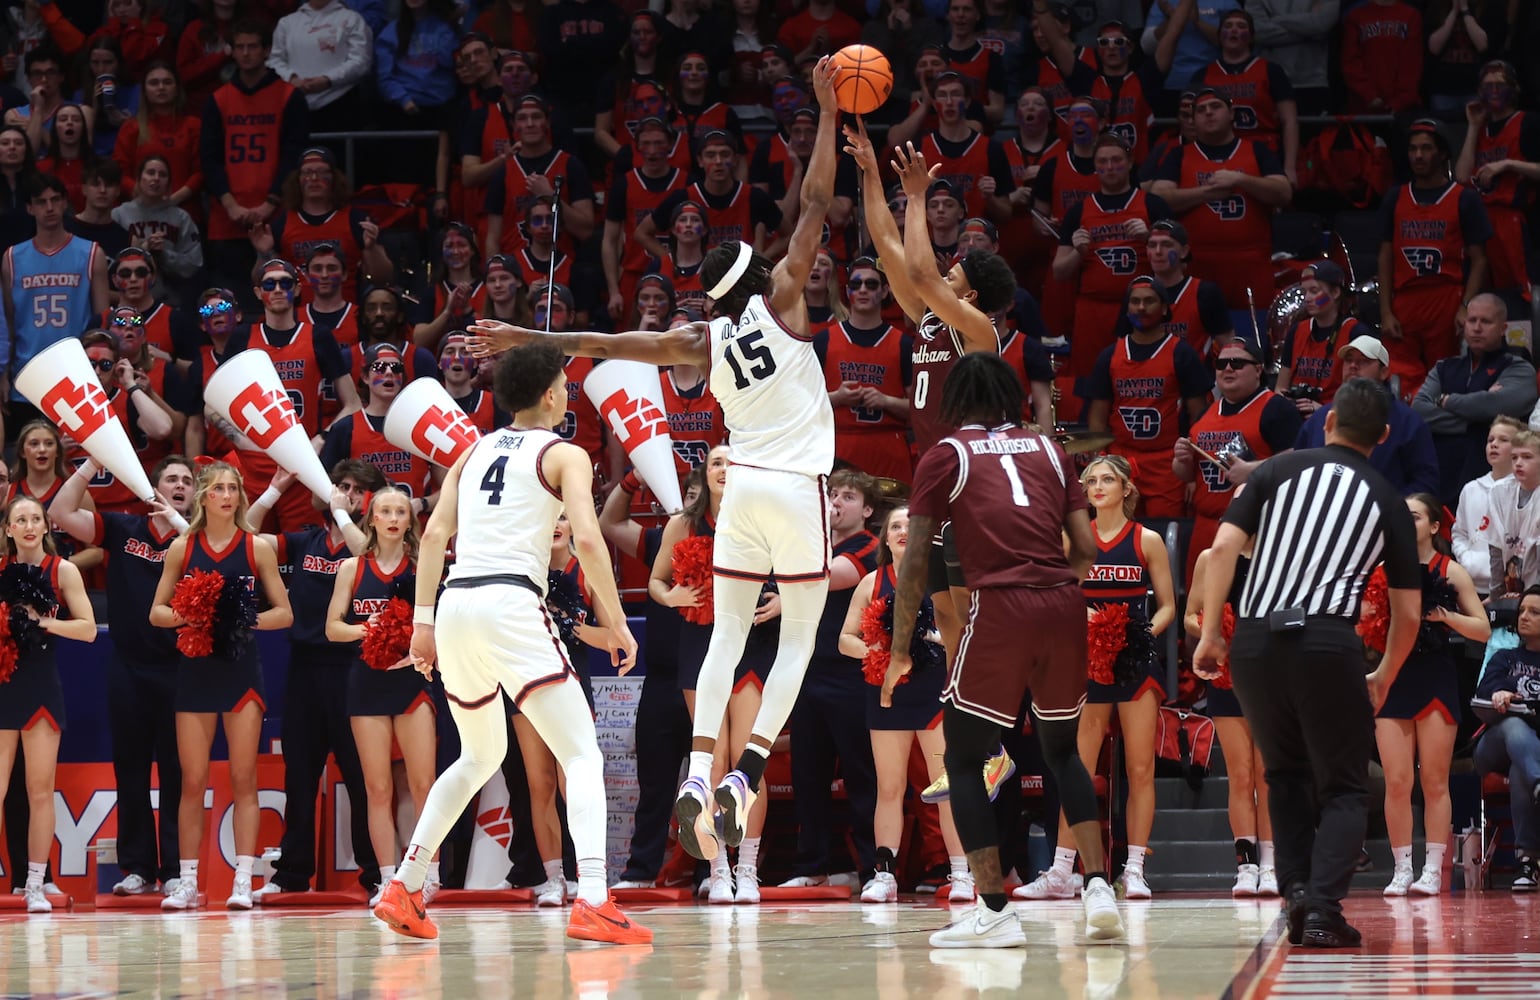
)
(316, 723)
(828, 728)
(1304, 694)
(526, 867)
(141, 700)
(663, 740)
(18, 812)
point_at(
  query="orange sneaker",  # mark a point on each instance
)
(606, 924)
(404, 912)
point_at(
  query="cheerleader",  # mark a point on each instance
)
(699, 519)
(225, 684)
(1415, 728)
(1250, 822)
(39, 471)
(387, 703)
(31, 698)
(914, 715)
(566, 601)
(1130, 560)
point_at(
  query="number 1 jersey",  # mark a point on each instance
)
(770, 386)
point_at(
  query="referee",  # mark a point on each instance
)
(1322, 520)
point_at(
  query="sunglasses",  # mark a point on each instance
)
(104, 365)
(393, 367)
(1234, 364)
(271, 284)
(1112, 43)
(215, 308)
(134, 272)
(870, 284)
(128, 321)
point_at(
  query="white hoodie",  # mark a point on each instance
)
(1471, 531)
(333, 42)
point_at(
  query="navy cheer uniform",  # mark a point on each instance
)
(381, 692)
(917, 703)
(34, 695)
(1121, 575)
(569, 580)
(758, 651)
(1222, 703)
(212, 683)
(1429, 681)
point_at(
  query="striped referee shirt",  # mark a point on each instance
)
(1323, 519)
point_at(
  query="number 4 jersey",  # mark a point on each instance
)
(771, 389)
(506, 509)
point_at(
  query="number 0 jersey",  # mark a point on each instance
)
(771, 390)
(507, 511)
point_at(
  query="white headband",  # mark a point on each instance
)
(735, 272)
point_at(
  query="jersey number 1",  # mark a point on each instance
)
(492, 482)
(1018, 491)
(757, 355)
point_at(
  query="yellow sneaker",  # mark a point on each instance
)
(997, 771)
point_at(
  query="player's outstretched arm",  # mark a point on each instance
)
(880, 224)
(684, 345)
(977, 329)
(790, 273)
(571, 473)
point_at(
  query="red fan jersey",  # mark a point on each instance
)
(1146, 399)
(1186, 321)
(516, 194)
(972, 65)
(695, 421)
(297, 370)
(401, 467)
(1218, 434)
(1252, 101)
(300, 236)
(533, 271)
(1232, 237)
(1509, 191)
(1114, 258)
(253, 127)
(581, 424)
(481, 409)
(1428, 248)
(1071, 184)
(730, 224)
(1055, 85)
(641, 201)
(963, 172)
(1313, 361)
(1130, 114)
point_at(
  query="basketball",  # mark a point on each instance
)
(862, 79)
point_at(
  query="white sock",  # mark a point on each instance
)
(414, 867)
(700, 765)
(553, 871)
(1064, 860)
(748, 852)
(1265, 854)
(190, 871)
(243, 863)
(35, 872)
(387, 872)
(959, 866)
(1435, 859)
(1135, 861)
(1402, 855)
(593, 886)
(433, 871)
(719, 865)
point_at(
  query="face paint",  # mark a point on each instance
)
(1139, 321)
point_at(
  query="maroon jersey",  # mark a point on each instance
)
(1007, 493)
(937, 347)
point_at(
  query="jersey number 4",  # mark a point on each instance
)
(756, 356)
(492, 482)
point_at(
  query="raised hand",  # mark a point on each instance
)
(859, 145)
(909, 164)
(490, 337)
(823, 86)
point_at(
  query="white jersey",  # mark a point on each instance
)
(772, 393)
(507, 512)
(1515, 532)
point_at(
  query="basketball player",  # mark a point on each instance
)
(497, 637)
(1011, 496)
(767, 378)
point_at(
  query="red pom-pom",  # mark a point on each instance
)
(874, 665)
(1226, 629)
(692, 568)
(1374, 620)
(8, 651)
(389, 636)
(1106, 635)
(195, 599)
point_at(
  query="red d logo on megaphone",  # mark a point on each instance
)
(262, 415)
(80, 410)
(443, 435)
(634, 420)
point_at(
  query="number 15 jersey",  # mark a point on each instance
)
(507, 511)
(771, 390)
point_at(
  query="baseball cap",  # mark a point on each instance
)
(1176, 229)
(652, 278)
(1252, 350)
(942, 186)
(1327, 271)
(381, 352)
(1210, 92)
(1145, 281)
(1369, 347)
(537, 294)
(1430, 128)
(977, 225)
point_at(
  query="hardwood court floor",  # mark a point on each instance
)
(1178, 947)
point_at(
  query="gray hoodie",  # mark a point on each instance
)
(181, 255)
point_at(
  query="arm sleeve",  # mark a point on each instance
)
(934, 479)
(1280, 424)
(762, 208)
(470, 135)
(1070, 223)
(1042, 185)
(1310, 434)
(385, 66)
(1421, 459)
(1278, 80)
(1498, 675)
(1387, 213)
(339, 441)
(1475, 224)
(496, 190)
(328, 355)
(293, 137)
(184, 259)
(664, 210)
(1516, 397)
(1268, 163)
(999, 168)
(1192, 375)
(1212, 311)
(211, 150)
(615, 202)
(1170, 169)
(906, 359)
(1098, 384)
(358, 46)
(579, 186)
(1156, 208)
(278, 57)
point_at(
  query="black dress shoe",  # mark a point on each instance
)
(1329, 930)
(1294, 911)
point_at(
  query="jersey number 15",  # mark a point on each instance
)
(757, 357)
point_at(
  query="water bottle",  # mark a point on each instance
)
(1039, 857)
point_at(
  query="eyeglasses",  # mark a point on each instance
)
(104, 364)
(870, 284)
(215, 308)
(393, 367)
(319, 173)
(270, 284)
(134, 272)
(1234, 364)
(1112, 42)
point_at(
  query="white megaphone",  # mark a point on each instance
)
(426, 421)
(62, 384)
(247, 391)
(629, 398)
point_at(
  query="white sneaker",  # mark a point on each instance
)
(271, 888)
(634, 884)
(747, 879)
(37, 899)
(962, 888)
(1134, 885)
(52, 889)
(169, 886)
(240, 894)
(719, 890)
(183, 897)
(133, 885)
(430, 889)
(1102, 921)
(1267, 883)
(379, 894)
(1430, 884)
(1400, 881)
(806, 881)
(735, 798)
(1051, 884)
(981, 927)
(883, 888)
(697, 820)
(551, 892)
(1245, 886)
